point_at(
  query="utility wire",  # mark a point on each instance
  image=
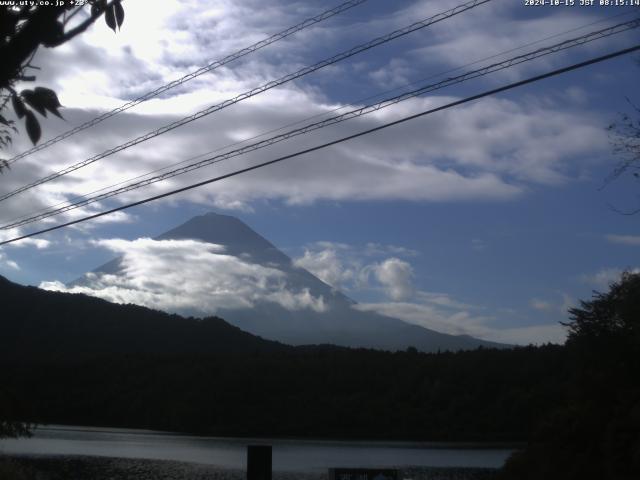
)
(358, 112)
(335, 142)
(190, 76)
(80, 197)
(255, 91)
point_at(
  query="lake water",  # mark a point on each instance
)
(291, 455)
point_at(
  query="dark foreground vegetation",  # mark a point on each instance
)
(594, 432)
(78, 360)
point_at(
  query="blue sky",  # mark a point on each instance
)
(488, 219)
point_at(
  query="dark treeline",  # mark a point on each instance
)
(594, 433)
(320, 392)
(80, 360)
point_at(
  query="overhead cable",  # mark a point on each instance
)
(190, 76)
(334, 142)
(358, 112)
(364, 110)
(255, 91)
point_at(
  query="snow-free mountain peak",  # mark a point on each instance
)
(274, 314)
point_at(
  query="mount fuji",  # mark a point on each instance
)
(285, 302)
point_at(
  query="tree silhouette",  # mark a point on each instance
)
(23, 29)
(596, 434)
(624, 136)
(609, 317)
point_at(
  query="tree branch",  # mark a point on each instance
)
(83, 26)
(75, 12)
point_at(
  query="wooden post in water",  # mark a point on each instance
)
(259, 462)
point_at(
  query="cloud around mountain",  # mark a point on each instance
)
(189, 277)
(249, 276)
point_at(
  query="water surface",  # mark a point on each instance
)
(292, 455)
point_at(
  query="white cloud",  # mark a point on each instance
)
(38, 243)
(567, 303)
(493, 150)
(351, 267)
(541, 305)
(188, 276)
(395, 275)
(442, 300)
(4, 261)
(552, 306)
(297, 301)
(326, 265)
(533, 334)
(466, 323)
(441, 312)
(497, 27)
(394, 74)
(605, 277)
(375, 249)
(630, 240)
(348, 266)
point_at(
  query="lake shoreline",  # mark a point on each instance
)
(84, 467)
(399, 442)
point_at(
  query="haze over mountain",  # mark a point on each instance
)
(253, 285)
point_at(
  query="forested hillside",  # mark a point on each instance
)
(78, 360)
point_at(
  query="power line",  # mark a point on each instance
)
(255, 91)
(196, 73)
(358, 112)
(334, 142)
(80, 197)
(324, 114)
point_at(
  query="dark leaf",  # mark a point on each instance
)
(33, 127)
(33, 101)
(4, 121)
(49, 95)
(110, 18)
(51, 32)
(48, 99)
(18, 106)
(119, 13)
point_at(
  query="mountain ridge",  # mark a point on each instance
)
(39, 323)
(340, 324)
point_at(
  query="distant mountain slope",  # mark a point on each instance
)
(77, 360)
(39, 324)
(339, 324)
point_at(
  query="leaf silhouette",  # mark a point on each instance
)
(48, 99)
(119, 11)
(18, 106)
(110, 18)
(51, 33)
(33, 101)
(33, 127)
